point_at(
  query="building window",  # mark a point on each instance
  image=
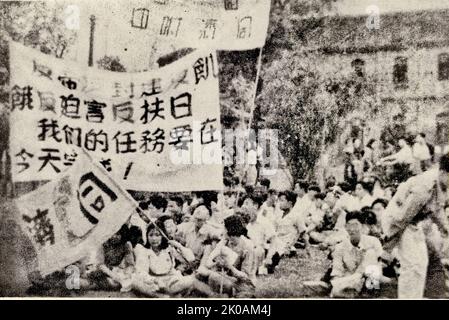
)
(359, 67)
(443, 66)
(400, 70)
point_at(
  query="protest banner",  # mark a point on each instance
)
(212, 24)
(69, 218)
(153, 131)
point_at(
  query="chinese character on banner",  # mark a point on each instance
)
(70, 106)
(244, 28)
(180, 137)
(125, 145)
(149, 89)
(21, 98)
(94, 111)
(72, 135)
(153, 141)
(50, 129)
(68, 82)
(40, 228)
(202, 66)
(170, 26)
(140, 18)
(23, 155)
(123, 111)
(209, 28)
(207, 131)
(50, 156)
(153, 112)
(181, 106)
(93, 139)
(95, 196)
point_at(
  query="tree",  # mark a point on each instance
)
(309, 108)
(39, 25)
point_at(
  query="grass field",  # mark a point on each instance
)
(288, 278)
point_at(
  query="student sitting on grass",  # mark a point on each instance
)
(355, 259)
(155, 267)
(230, 267)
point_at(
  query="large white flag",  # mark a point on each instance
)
(153, 131)
(73, 215)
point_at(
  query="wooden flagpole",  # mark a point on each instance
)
(254, 96)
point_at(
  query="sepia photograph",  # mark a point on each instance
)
(224, 149)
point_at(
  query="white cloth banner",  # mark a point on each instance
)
(70, 217)
(153, 131)
(212, 24)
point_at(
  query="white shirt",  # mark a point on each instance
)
(421, 151)
(260, 233)
(366, 201)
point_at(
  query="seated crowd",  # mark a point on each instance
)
(218, 244)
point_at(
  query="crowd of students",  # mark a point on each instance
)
(219, 244)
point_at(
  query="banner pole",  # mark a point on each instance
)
(256, 84)
(91, 41)
(253, 107)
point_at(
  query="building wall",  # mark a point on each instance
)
(423, 98)
(422, 71)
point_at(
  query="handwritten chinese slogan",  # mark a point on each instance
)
(218, 24)
(155, 131)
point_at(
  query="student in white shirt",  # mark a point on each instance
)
(355, 259)
(363, 191)
(267, 210)
(404, 155)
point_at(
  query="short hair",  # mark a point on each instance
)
(367, 185)
(256, 197)
(143, 205)
(383, 202)
(227, 182)
(422, 134)
(249, 189)
(303, 185)
(330, 184)
(161, 220)
(290, 196)
(234, 226)
(230, 193)
(208, 197)
(265, 182)
(177, 199)
(314, 188)
(368, 216)
(351, 215)
(444, 163)
(346, 187)
(158, 202)
(320, 196)
(209, 209)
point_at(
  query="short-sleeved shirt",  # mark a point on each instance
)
(348, 259)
